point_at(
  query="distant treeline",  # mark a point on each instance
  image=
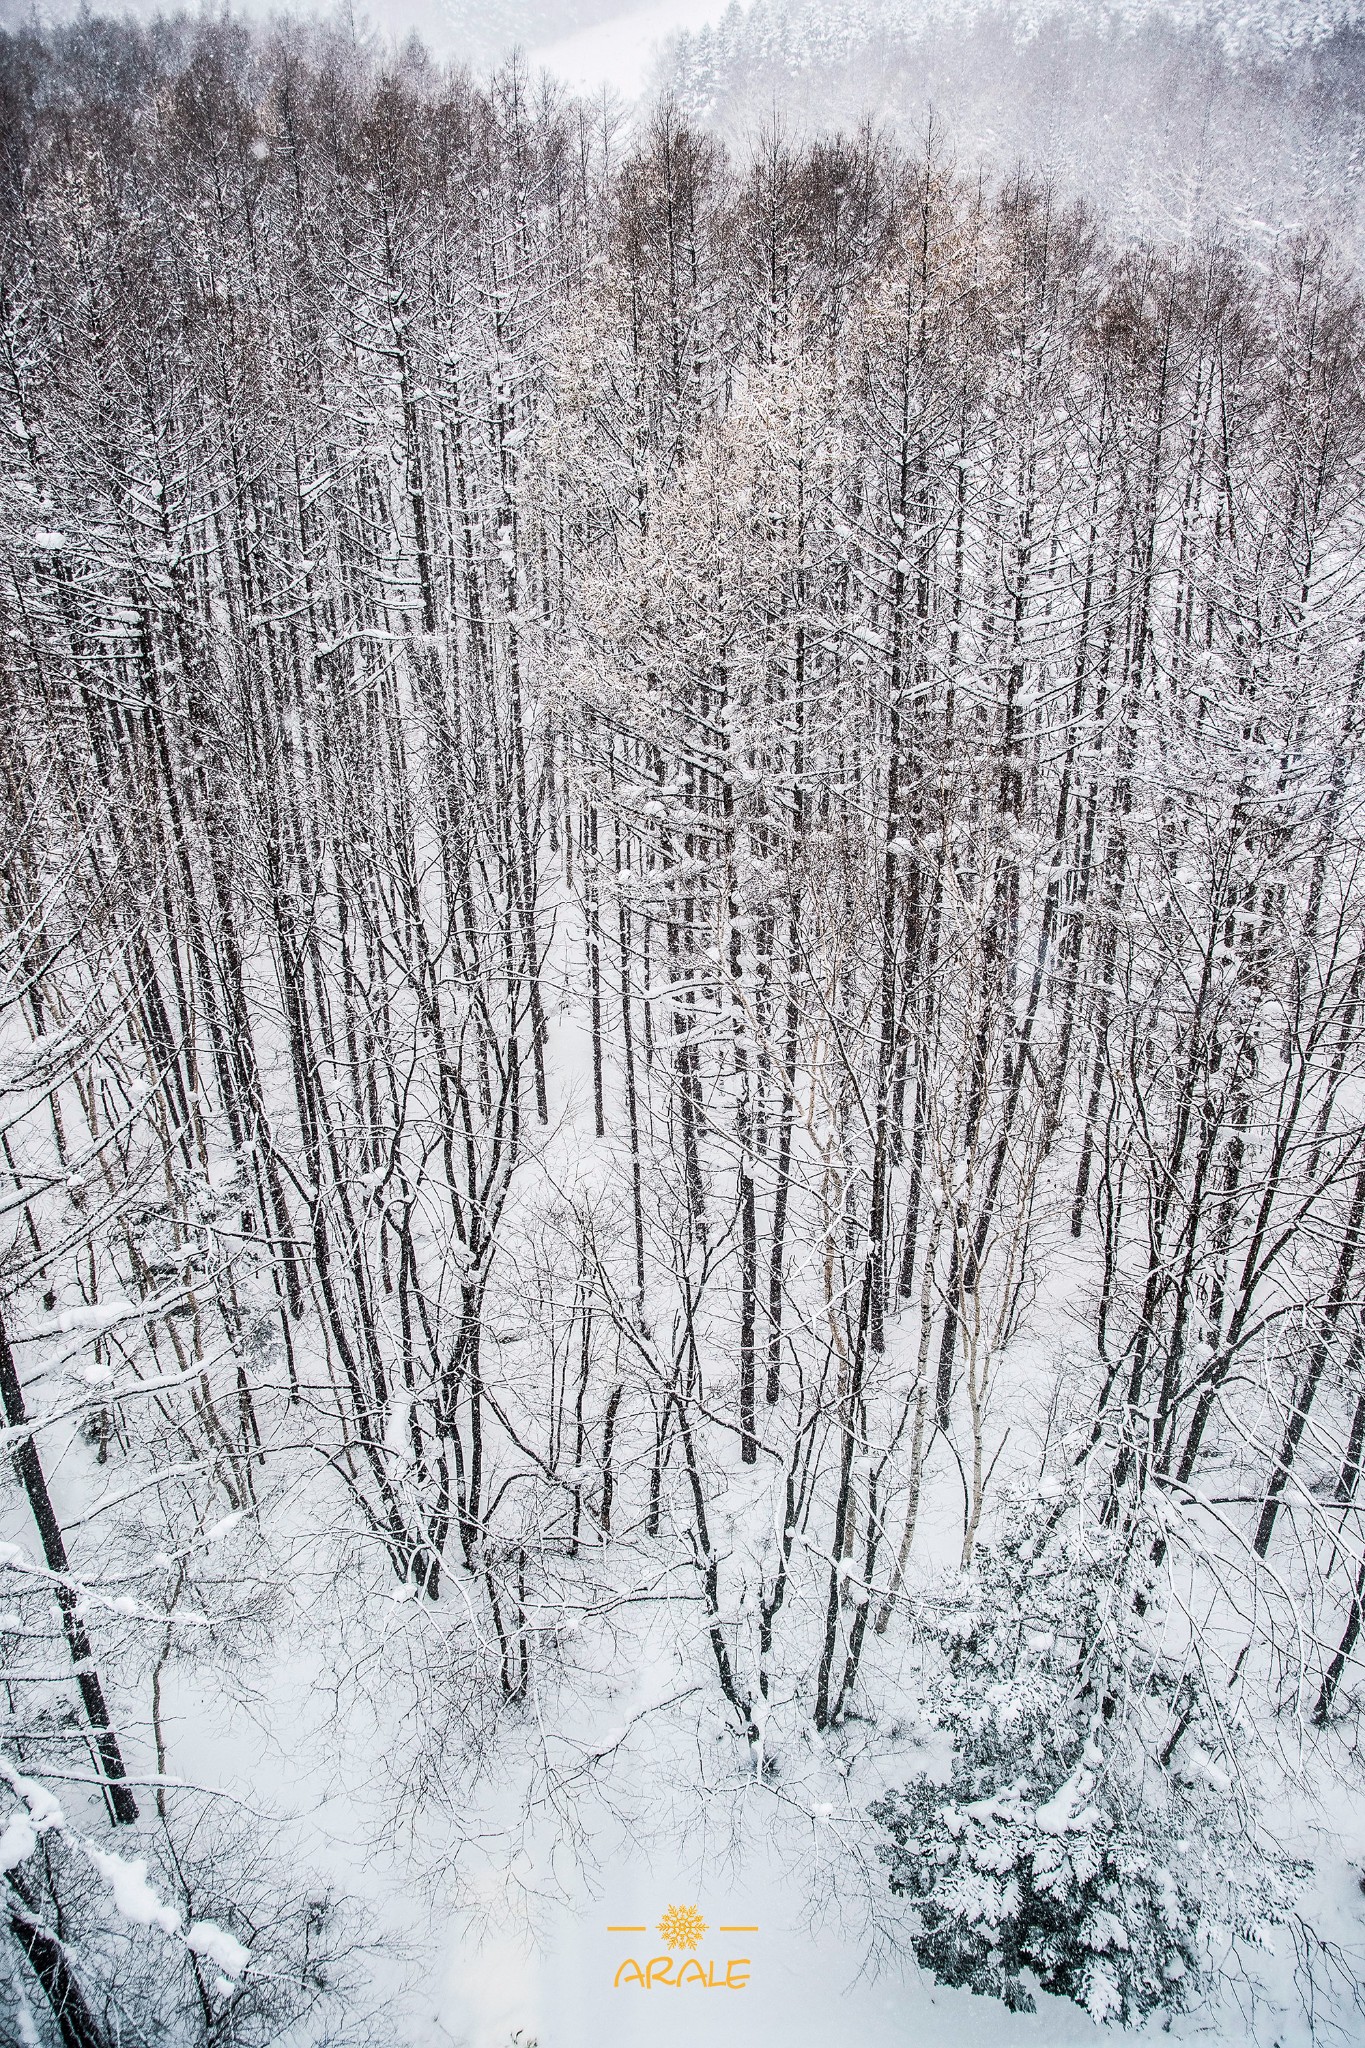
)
(1218, 119)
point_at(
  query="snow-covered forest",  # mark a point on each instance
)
(1173, 116)
(682, 1047)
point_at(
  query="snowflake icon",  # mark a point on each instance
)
(682, 1926)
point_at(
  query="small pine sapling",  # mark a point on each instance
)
(1061, 1848)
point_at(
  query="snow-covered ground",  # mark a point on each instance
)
(806, 1986)
(620, 54)
(510, 1930)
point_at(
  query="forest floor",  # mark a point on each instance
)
(503, 1917)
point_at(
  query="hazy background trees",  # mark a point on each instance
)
(1176, 120)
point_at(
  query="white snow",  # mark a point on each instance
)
(620, 54)
(208, 1939)
(18, 1840)
(126, 1878)
(98, 1315)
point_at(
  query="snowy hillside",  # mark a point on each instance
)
(1176, 120)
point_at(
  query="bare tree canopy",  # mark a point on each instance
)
(681, 1055)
